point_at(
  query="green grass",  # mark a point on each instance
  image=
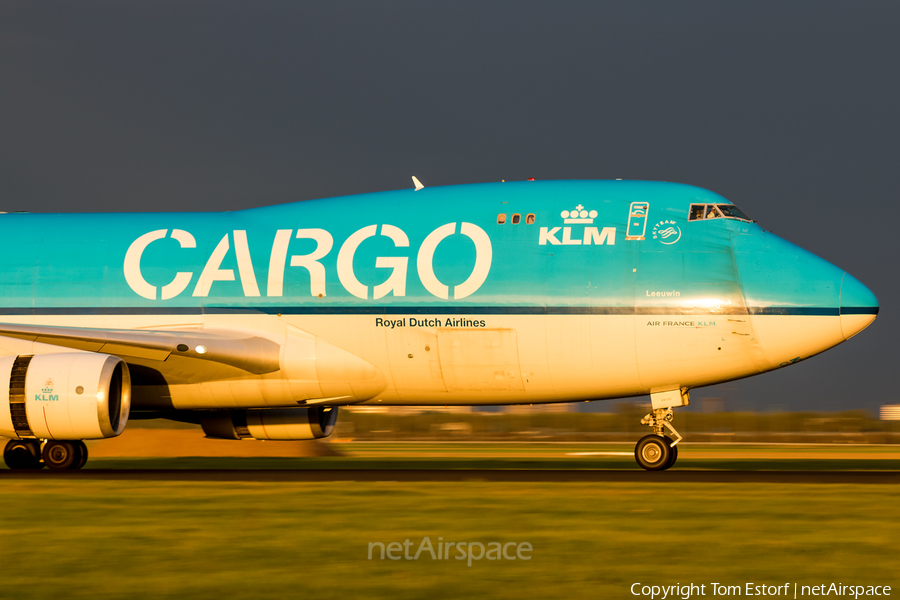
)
(83, 538)
(431, 463)
(134, 539)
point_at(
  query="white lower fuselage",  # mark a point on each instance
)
(450, 359)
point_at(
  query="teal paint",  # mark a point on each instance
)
(72, 263)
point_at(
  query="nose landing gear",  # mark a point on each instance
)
(655, 453)
(658, 451)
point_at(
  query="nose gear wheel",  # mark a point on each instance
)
(658, 451)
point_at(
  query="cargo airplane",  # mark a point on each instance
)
(261, 323)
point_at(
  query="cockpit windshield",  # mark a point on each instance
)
(716, 211)
(730, 210)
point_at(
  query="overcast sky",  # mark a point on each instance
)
(789, 109)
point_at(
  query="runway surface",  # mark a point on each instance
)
(461, 475)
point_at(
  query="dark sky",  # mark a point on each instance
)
(789, 109)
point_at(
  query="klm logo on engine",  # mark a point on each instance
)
(47, 394)
(586, 236)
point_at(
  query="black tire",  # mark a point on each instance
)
(60, 455)
(674, 450)
(23, 454)
(82, 452)
(653, 453)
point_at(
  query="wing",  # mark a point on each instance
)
(315, 370)
(246, 352)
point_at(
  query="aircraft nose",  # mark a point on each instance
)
(794, 298)
(859, 306)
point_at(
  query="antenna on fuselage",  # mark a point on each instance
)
(417, 183)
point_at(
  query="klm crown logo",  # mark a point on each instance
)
(584, 236)
(47, 394)
(579, 215)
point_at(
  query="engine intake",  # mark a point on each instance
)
(271, 423)
(64, 396)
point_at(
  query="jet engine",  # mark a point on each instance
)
(271, 423)
(65, 396)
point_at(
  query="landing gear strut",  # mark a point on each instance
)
(56, 455)
(658, 451)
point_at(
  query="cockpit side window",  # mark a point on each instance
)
(697, 212)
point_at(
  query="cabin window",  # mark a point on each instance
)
(529, 219)
(501, 218)
(516, 218)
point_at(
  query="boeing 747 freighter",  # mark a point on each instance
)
(261, 323)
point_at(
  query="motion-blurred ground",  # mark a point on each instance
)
(177, 535)
(532, 435)
(171, 443)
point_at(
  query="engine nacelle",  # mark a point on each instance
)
(65, 396)
(271, 423)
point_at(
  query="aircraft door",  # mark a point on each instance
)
(611, 365)
(480, 360)
(658, 320)
(414, 360)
